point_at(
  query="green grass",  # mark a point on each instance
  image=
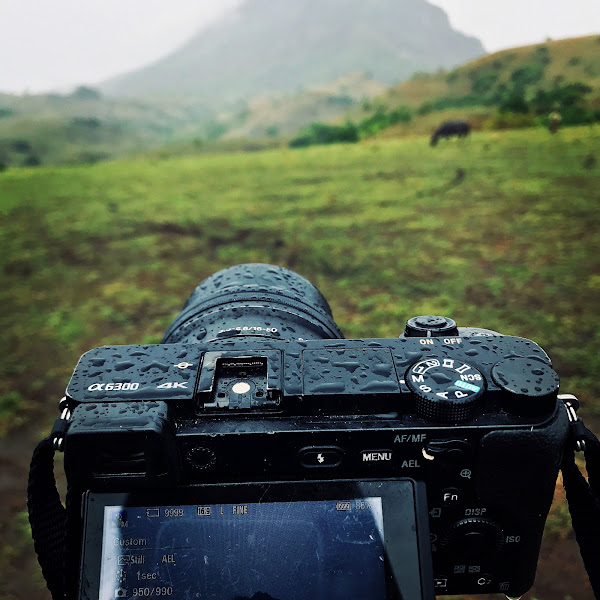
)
(107, 254)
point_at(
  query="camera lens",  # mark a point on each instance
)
(254, 300)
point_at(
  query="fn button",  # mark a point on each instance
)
(451, 496)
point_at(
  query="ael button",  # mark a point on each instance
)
(320, 456)
(430, 326)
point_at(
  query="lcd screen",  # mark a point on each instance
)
(286, 550)
(305, 540)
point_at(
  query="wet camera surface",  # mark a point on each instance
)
(255, 386)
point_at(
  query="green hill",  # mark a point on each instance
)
(537, 66)
(85, 127)
(477, 88)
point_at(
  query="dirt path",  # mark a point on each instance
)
(17, 560)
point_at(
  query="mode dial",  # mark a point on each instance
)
(430, 326)
(447, 389)
(475, 539)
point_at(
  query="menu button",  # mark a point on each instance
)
(376, 456)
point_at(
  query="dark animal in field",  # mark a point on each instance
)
(554, 120)
(589, 162)
(459, 177)
(448, 129)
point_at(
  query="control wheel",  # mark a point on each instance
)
(471, 540)
(530, 386)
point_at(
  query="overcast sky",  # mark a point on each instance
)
(56, 44)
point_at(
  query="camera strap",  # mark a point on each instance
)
(583, 497)
(48, 517)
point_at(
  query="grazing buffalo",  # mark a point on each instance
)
(447, 129)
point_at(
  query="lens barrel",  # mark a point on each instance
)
(253, 300)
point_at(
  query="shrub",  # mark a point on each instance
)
(497, 96)
(20, 146)
(400, 115)
(272, 131)
(86, 122)
(561, 97)
(214, 130)
(5, 112)
(342, 101)
(457, 102)
(86, 93)
(319, 133)
(301, 141)
(541, 54)
(381, 120)
(425, 108)
(514, 103)
(90, 158)
(543, 102)
(482, 81)
(32, 161)
(527, 75)
(572, 93)
(577, 115)
(452, 76)
(509, 120)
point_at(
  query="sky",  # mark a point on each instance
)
(58, 44)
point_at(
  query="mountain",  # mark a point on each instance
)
(268, 46)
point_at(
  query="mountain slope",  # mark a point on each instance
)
(280, 46)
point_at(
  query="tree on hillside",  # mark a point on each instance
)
(86, 93)
(515, 103)
(569, 99)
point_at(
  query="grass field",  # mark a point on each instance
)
(500, 231)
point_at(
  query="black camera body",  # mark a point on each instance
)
(472, 414)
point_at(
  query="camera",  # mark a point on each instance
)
(256, 453)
